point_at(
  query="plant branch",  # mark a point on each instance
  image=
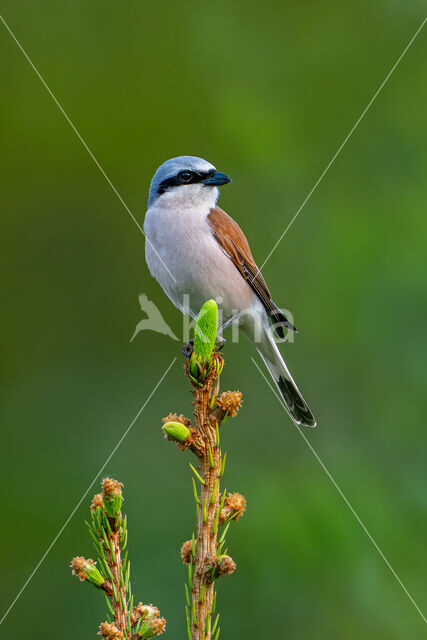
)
(204, 552)
(108, 530)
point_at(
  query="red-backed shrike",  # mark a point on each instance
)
(197, 252)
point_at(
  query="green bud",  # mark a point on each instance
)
(113, 506)
(93, 575)
(148, 630)
(176, 431)
(152, 624)
(86, 570)
(206, 330)
(112, 496)
(205, 334)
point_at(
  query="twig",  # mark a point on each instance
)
(204, 552)
(108, 530)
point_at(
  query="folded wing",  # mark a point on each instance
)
(233, 242)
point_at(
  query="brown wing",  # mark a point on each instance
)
(233, 242)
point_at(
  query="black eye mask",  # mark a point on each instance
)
(184, 177)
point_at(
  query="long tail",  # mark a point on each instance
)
(297, 407)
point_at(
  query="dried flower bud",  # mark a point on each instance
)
(230, 401)
(97, 501)
(158, 626)
(78, 565)
(109, 631)
(225, 566)
(220, 566)
(111, 488)
(112, 496)
(86, 570)
(152, 624)
(187, 551)
(143, 611)
(176, 431)
(174, 417)
(234, 505)
(149, 611)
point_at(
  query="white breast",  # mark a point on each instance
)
(185, 258)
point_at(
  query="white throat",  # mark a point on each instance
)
(188, 197)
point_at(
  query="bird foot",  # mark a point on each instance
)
(187, 349)
(220, 341)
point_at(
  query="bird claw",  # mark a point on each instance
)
(187, 349)
(220, 340)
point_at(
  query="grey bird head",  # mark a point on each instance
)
(181, 173)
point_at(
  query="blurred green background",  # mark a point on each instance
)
(267, 93)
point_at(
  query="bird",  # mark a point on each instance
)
(196, 252)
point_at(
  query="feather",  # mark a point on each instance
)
(233, 242)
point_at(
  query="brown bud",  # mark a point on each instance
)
(226, 565)
(111, 488)
(173, 417)
(234, 505)
(158, 625)
(187, 551)
(97, 501)
(230, 402)
(144, 611)
(78, 565)
(222, 566)
(109, 631)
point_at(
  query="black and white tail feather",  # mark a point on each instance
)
(295, 404)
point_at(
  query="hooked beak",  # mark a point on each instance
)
(216, 180)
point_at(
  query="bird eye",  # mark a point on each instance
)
(185, 176)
